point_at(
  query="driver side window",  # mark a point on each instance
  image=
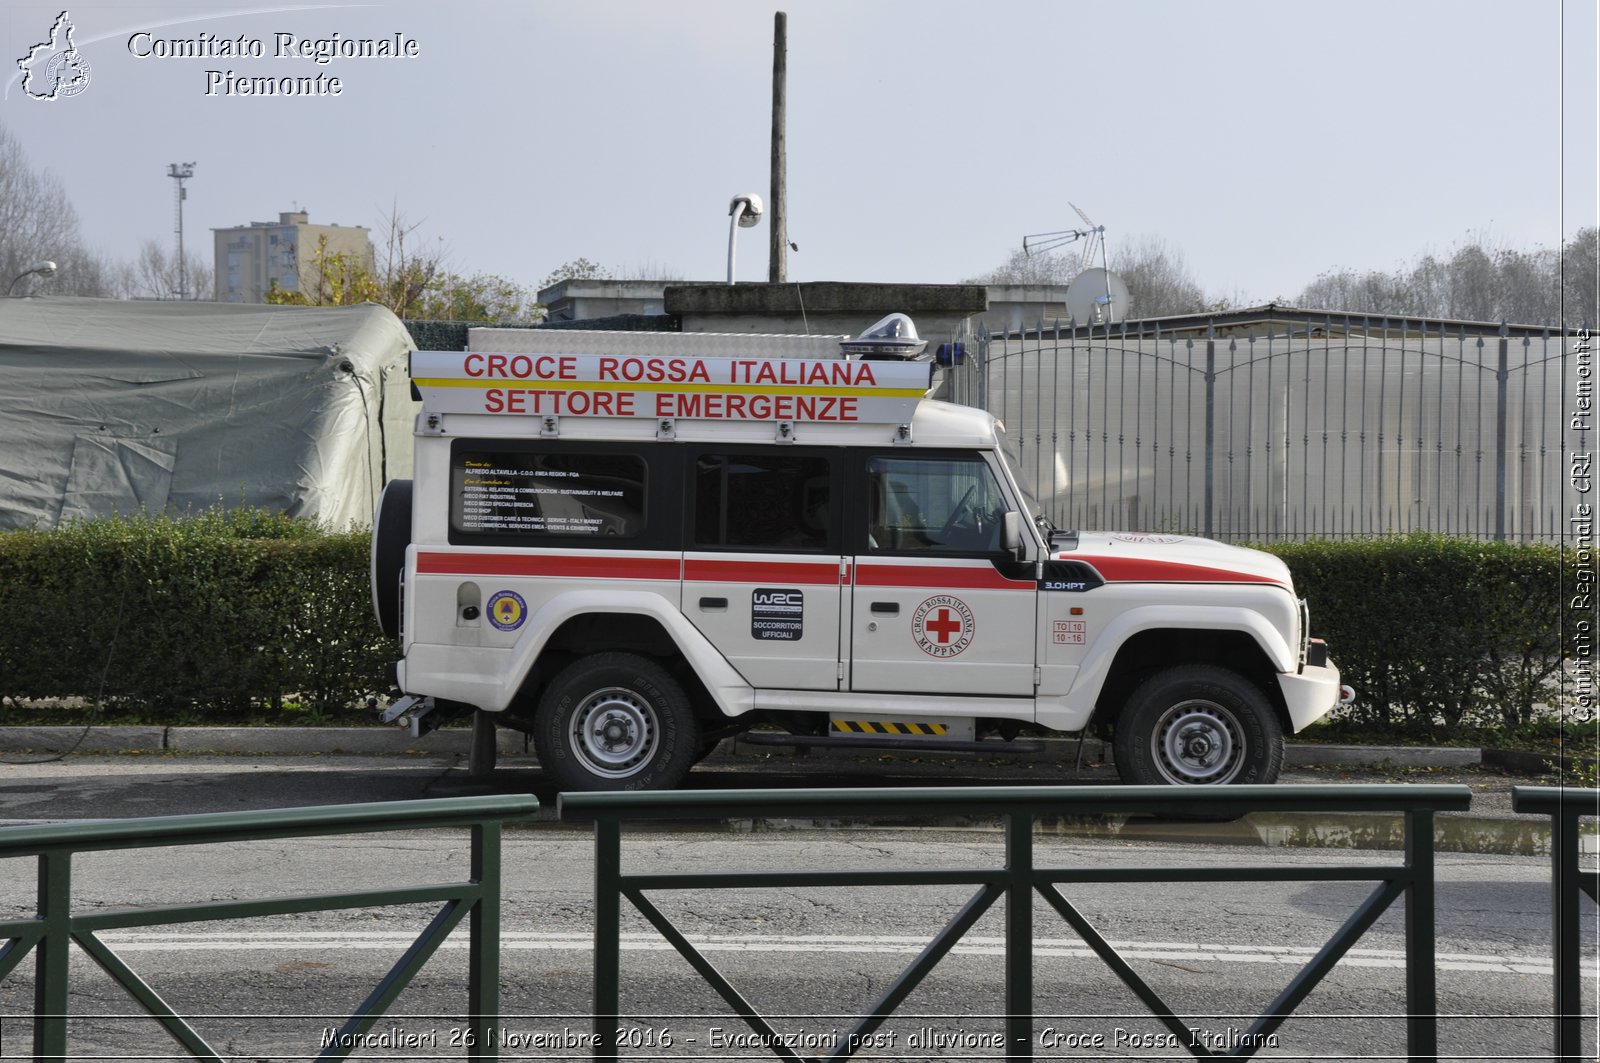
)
(932, 505)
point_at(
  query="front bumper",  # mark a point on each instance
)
(1311, 695)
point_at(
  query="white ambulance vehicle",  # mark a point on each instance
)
(632, 545)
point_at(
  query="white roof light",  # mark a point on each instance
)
(893, 337)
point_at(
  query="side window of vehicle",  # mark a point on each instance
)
(503, 493)
(764, 502)
(932, 505)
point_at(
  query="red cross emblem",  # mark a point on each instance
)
(942, 626)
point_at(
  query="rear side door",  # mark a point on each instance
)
(763, 568)
(936, 605)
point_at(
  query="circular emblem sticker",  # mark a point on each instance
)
(942, 626)
(507, 610)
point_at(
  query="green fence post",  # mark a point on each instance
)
(1565, 806)
(52, 957)
(483, 944)
(1422, 997)
(1567, 957)
(1019, 934)
(607, 935)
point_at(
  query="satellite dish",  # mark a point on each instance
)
(1098, 297)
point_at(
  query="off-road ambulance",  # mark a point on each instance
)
(633, 545)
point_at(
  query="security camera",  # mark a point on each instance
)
(750, 203)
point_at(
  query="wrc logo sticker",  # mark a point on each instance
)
(943, 626)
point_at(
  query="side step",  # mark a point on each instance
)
(930, 745)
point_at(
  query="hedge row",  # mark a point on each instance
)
(1435, 633)
(242, 609)
(224, 611)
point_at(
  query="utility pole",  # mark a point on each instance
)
(180, 172)
(778, 233)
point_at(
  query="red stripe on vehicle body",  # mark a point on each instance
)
(1140, 570)
(937, 577)
(605, 566)
(701, 570)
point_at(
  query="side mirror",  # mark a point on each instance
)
(1011, 533)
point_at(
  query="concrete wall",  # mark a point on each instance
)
(578, 300)
(1019, 306)
(824, 307)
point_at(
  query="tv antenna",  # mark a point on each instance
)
(1096, 296)
(1091, 234)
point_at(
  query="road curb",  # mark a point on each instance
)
(1535, 763)
(313, 741)
(1377, 756)
(270, 741)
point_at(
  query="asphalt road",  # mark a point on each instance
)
(811, 959)
(41, 785)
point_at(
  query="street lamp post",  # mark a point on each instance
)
(43, 269)
(743, 212)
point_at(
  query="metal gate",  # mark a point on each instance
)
(1305, 425)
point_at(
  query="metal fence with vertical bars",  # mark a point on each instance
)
(1281, 424)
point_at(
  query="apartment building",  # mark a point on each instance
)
(253, 259)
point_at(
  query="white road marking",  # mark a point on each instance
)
(1057, 948)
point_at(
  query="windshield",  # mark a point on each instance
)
(1031, 505)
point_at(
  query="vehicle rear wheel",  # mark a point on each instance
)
(1198, 725)
(615, 721)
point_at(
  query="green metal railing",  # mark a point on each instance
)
(57, 927)
(1565, 807)
(1018, 808)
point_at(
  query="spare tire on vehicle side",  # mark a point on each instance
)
(391, 534)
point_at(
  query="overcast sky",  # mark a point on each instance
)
(1266, 141)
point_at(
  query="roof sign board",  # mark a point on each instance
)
(670, 386)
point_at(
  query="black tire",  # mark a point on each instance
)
(1198, 725)
(391, 534)
(615, 721)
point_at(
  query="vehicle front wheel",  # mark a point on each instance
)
(615, 721)
(1198, 725)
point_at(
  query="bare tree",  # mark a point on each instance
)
(578, 269)
(650, 270)
(1024, 268)
(1478, 281)
(1158, 278)
(415, 282)
(1580, 279)
(154, 275)
(406, 271)
(38, 224)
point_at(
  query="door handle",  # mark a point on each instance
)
(885, 608)
(714, 604)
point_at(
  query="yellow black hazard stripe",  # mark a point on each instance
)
(879, 727)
